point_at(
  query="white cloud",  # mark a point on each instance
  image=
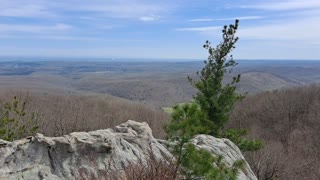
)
(20, 8)
(300, 29)
(68, 38)
(149, 18)
(202, 20)
(200, 29)
(135, 9)
(110, 8)
(33, 28)
(241, 18)
(227, 19)
(276, 49)
(280, 5)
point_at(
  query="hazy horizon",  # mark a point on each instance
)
(126, 59)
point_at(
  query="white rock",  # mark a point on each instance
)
(88, 154)
(228, 150)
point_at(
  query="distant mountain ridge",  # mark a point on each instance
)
(154, 83)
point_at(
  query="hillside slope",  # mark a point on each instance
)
(62, 114)
(288, 121)
(255, 82)
(156, 84)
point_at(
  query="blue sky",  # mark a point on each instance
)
(269, 29)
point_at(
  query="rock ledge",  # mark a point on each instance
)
(70, 156)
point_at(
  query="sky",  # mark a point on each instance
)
(171, 29)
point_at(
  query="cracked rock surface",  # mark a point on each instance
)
(90, 154)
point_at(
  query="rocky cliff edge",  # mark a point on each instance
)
(71, 156)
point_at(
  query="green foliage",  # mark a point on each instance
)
(14, 123)
(214, 98)
(185, 123)
(208, 114)
(200, 163)
(188, 120)
(236, 136)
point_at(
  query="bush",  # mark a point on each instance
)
(192, 162)
(15, 123)
(150, 168)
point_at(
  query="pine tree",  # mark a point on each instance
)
(15, 122)
(208, 114)
(215, 98)
(188, 120)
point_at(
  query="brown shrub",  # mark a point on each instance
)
(150, 168)
(288, 121)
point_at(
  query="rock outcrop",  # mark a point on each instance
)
(225, 148)
(90, 154)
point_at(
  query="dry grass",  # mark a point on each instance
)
(62, 114)
(150, 168)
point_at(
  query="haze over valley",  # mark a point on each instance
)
(160, 83)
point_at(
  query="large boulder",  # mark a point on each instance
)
(227, 149)
(90, 155)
